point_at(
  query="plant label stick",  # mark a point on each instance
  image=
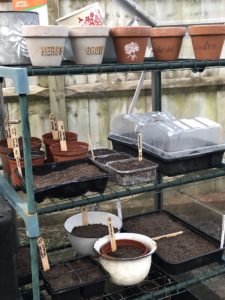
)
(8, 133)
(139, 146)
(62, 136)
(43, 254)
(85, 216)
(16, 148)
(92, 152)
(54, 126)
(111, 235)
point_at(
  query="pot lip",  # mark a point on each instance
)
(130, 31)
(49, 31)
(118, 236)
(82, 146)
(78, 11)
(48, 135)
(19, 12)
(212, 29)
(88, 31)
(40, 153)
(167, 31)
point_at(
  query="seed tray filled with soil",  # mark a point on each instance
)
(67, 179)
(75, 278)
(131, 171)
(104, 159)
(101, 152)
(182, 253)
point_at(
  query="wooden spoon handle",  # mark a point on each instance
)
(169, 235)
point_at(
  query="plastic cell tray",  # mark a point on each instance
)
(83, 283)
(69, 188)
(163, 261)
(173, 166)
(134, 176)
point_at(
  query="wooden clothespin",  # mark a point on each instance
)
(8, 133)
(54, 126)
(16, 148)
(140, 155)
(43, 254)
(111, 235)
(62, 136)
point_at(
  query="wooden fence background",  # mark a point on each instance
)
(88, 103)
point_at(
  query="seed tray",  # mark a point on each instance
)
(174, 166)
(137, 175)
(70, 187)
(101, 152)
(86, 275)
(192, 249)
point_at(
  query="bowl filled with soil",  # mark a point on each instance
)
(131, 262)
(75, 150)
(82, 237)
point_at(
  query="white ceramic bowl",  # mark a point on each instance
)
(88, 44)
(127, 271)
(84, 246)
(45, 44)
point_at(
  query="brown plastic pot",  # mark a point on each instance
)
(37, 158)
(35, 144)
(207, 41)
(166, 42)
(75, 150)
(130, 42)
(48, 141)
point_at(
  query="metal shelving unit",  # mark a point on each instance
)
(26, 207)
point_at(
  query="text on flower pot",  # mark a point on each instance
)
(51, 50)
(94, 50)
(168, 49)
(206, 46)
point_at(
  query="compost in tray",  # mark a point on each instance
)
(111, 157)
(91, 231)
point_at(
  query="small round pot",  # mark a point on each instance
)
(166, 42)
(35, 144)
(75, 150)
(126, 271)
(37, 158)
(207, 41)
(48, 141)
(130, 43)
(88, 44)
(83, 245)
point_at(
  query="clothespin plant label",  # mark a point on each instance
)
(43, 254)
(62, 136)
(8, 133)
(16, 148)
(111, 235)
(140, 156)
(90, 144)
(54, 126)
(85, 216)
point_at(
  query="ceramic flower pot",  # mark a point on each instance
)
(88, 44)
(37, 158)
(207, 41)
(48, 141)
(166, 42)
(75, 150)
(130, 43)
(45, 44)
(35, 144)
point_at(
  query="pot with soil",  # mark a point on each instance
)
(37, 158)
(75, 150)
(166, 42)
(82, 237)
(48, 141)
(131, 262)
(35, 144)
(130, 43)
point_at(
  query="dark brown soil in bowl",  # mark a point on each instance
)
(176, 249)
(111, 157)
(91, 231)
(126, 251)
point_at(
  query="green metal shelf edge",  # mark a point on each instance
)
(19, 77)
(129, 191)
(21, 207)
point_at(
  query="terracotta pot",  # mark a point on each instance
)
(106, 249)
(130, 43)
(75, 150)
(166, 42)
(207, 41)
(37, 157)
(35, 144)
(48, 141)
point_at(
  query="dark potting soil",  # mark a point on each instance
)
(70, 174)
(131, 165)
(126, 251)
(103, 151)
(112, 157)
(175, 249)
(23, 262)
(91, 231)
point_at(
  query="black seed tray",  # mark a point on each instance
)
(71, 188)
(175, 166)
(87, 277)
(164, 262)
